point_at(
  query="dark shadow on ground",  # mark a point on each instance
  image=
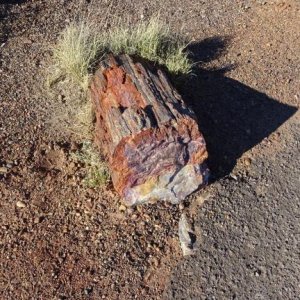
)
(12, 1)
(232, 116)
(5, 14)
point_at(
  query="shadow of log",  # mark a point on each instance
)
(232, 116)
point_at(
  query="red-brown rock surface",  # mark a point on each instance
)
(149, 136)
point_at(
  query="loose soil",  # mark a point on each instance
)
(63, 240)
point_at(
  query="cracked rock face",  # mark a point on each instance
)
(171, 186)
(149, 136)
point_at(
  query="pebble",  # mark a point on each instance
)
(3, 170)
(20, 204)
(61, 98)
(148, 276)
(134, 217)
(181, 206)
(72, 165)
(234, 177)
(122, 207)
(155, 261)
(247, 161)
(36, 220)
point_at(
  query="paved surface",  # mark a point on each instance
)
(250, 227)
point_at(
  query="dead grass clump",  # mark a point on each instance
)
(81, 44)
(83, 121)
(97, 172)
(76, 51)
(151, 40)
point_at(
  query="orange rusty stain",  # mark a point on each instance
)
(121, 89)
(199, 157)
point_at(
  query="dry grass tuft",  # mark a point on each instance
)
(97, 172)
(81, 44)
(151, 40)
(77, 50)
(83, 121)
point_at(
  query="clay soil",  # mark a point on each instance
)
(60, 239)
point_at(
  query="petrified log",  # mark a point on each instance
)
(149, 136)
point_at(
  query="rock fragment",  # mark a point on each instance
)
(3, 170)
(187, 236)
(20, 204)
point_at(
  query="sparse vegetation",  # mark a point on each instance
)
(97, 172)
(83, 121)
(151, 40)
(77, 50)
(81, 44)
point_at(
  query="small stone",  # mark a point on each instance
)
(72, 165)
(247, 161)
(134, 217)
(20, 204)
(148, 276)
(3, 170)
(61, 98)
(36, 220)
(181, 206)
(122, 207)
(146, 217)
(155, 261)
(234, 177)
(88, 290)
(257, 273)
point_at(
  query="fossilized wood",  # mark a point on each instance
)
(149, 136)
